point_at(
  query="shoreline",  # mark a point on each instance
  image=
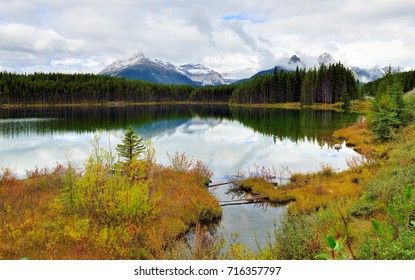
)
(356, 105)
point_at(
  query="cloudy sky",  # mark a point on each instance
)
(234, 37)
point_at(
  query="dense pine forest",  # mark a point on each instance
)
(331, 84)
(406, 80)
(77, 88)
(327, 84)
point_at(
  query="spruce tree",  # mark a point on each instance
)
(397, 95)
(384, 119)
(388, 112)
(131, 147)
(345, 97)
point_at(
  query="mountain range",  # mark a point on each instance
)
(364, 75)
(158, 71)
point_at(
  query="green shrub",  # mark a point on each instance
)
(361, 208)
(295, 239)
(394, 238)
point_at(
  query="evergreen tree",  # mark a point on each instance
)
(384, 118)
(131, 147)
(388, 111)
(345, 97)
(397, 96)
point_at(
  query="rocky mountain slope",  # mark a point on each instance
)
(141, 67)
(158, 71)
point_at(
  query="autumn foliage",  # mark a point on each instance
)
(105, 210)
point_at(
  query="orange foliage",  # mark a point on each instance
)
(309, 192)
(36, 223)
(312, 191)
(358, 137)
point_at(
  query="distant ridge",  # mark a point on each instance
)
(144, 68)
(141, 67)
(362, 74)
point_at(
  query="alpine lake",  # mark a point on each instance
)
(230, 140)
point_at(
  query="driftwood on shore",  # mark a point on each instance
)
(249, 199)
(220, 184)
(246, 200)
(241, 203)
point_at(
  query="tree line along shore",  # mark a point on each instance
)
(327, 84)
(121, 208)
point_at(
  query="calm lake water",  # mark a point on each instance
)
(228, 140)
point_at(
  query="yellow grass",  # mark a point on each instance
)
(309, 192)
(34, 222)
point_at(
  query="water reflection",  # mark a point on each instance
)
(278, 123)
(228, 147)
(228, 140)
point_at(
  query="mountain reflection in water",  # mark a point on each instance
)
(227, 139)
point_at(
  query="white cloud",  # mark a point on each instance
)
(72, 61)
(376, 52)
(235, 37)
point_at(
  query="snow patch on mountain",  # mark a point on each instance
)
(306, 61)
(370, 74)
(202, 74)
(326, 59)
(124, 63)
(196, 72)
(290, 63)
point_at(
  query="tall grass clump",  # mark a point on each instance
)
(110, 208)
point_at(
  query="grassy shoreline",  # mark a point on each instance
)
(356, 105)
(107, 104)
(356, 208)
(103, 211)
(367, 208)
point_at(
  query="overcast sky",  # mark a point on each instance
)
(234, 37)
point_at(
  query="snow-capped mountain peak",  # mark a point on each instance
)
(139, 55)
(308, 62)
(326, 59)
(202, 74)
(124, 63)
(294, 60)
(370, 74)
(290, 63)
(139, 66)
(194, 68)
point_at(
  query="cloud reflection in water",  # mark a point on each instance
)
(225, 146)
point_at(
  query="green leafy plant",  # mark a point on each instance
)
(335, 247)
(394, 238)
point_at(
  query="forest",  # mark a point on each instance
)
(327, 84)
(130, 207)
(406, 80)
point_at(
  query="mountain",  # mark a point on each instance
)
(290, 64)
(374, 73)
(201, 74)
(140, 67)
(158, 71)
(285, 64)
(326, 59)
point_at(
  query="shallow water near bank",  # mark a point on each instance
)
(228, 140)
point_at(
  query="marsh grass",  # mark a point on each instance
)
(369, 209)
(105, 210)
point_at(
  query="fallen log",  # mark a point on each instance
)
(252, 198)
(220, 184)
(241, 203)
